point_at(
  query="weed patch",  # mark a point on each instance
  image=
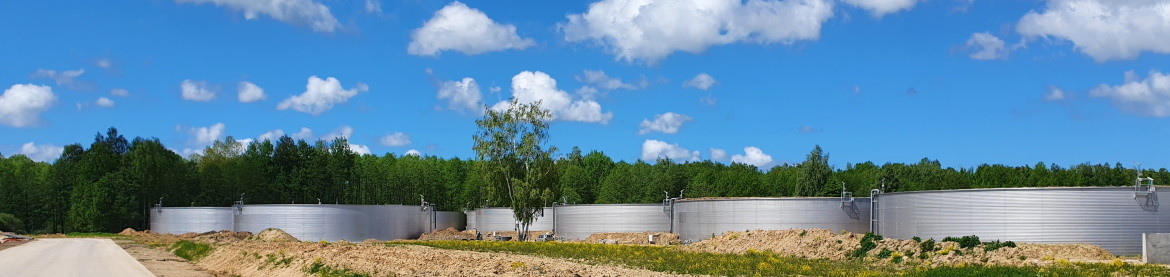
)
(191, 251)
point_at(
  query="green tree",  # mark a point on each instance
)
(514, 145)
(815, 172)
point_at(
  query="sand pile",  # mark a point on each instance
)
(218, 236)
(825, 244)
(448, 234)
(275, 235)
(639, 238)
(255, 258)
(128, 232)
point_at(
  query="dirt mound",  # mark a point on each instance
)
(276, 235)
(639, 238)
(255, 258)
(448, 234)
(532, 235)
(221, 236)
(128, 232)
(825, 244)
(812, 243)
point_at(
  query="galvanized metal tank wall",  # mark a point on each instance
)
(576, 222)
(500, 219)
(450, 220)
(179, 220)
(1111, 217)
(335, 222)
(470, 216)
(699, 219)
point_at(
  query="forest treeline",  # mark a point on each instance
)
(112, 183)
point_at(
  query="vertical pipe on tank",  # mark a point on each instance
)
(873, 210)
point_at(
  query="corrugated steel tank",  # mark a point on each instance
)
(309, 222)
(1111, 217)
(495, 219)
(179, 220)
(576, 222)
(699, 219)
(450, 220)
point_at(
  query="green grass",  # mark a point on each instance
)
(1060, 269)
(191, 251)
(93, 235)
(322, 270)
(667, 259)
(756, 263)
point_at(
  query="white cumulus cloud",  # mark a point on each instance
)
(360, 149)
(668, 123)
(373, 6)
(271, 135)
(702, 81)
(22, 104)
(1143, 97)
(413, 152)
(985, 46)
(753, 156)
(41, 153)
(67, 77)
(1054, 94)
(457, 27)
(598, 78)
(207, 135)
(652, 150)
(396, 139)
(530, 87)
(104, 63)
(880, 8)
(718, 154)
(104, 102)
(320, 96)
(306, 13)
(249, 92)
(119, 92)
(463, 96)
(197, 90)
(1103, 29)
(650, 30)
(304, 133)
(341, 132)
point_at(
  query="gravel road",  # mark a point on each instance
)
(70, 257)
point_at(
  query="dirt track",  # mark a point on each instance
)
(70, 257)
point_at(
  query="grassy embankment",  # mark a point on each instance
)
(756, 263)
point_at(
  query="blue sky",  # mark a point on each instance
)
(760, 82)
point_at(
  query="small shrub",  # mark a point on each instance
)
(885, 253)
(993, 245)
(867, 243)
(191, 251)
(838, 241)
(803, 232)
(320, 269)
(965, 241)
(896, 257)
(10, 223)
(916, 239)
(1022, 257)
(926, 245)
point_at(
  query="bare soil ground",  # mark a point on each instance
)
(238, 255)
(448, 234)
(820, 243)
(253, 258)
(159, 261)
(639, 238)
